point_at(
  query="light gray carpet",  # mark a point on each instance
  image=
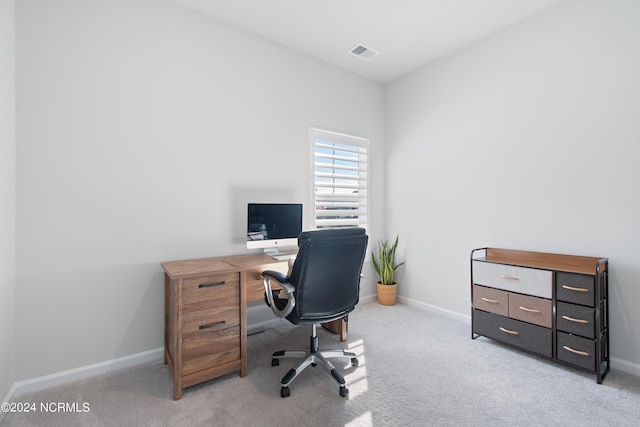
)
(416, 368)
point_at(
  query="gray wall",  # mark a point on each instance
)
(7, 196)
(144, 128)
(528, 139)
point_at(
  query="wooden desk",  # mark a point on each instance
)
(205, 315)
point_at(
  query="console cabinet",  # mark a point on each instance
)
(550, 304)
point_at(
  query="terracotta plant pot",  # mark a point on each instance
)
(387, 294)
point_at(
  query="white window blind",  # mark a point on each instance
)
(340, 180)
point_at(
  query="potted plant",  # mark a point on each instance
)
(385, 266)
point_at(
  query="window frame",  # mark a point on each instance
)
(356, 145)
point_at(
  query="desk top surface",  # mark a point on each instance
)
(249, 261)
(199, 266)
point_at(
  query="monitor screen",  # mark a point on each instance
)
(272, 225)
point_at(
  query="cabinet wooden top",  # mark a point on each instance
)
(197, 267)
(546, 261)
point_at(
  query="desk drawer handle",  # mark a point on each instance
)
(212, 325)
(509, 278)
(492, 301)
(529, 310)
(573, 319)
(571, 288)
(581, 353)
(210, 285)
(507, 331)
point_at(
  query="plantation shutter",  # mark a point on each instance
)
(340, 180)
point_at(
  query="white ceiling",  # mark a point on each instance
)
(407, 33)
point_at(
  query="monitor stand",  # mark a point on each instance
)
(272, 252)
(276, 254)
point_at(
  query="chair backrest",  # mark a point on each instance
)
(326, 274)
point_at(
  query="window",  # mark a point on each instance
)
(339, 179)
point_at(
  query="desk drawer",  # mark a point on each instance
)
(223, 288)
(218, 317)
(523, 280)
(210, 347)
(524, 335)
(210, 300)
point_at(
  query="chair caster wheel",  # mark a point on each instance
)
(344, 392)
(285, 392)
(275, 362)
(354, 361)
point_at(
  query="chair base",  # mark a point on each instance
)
(313, 357)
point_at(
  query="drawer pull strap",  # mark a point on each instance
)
(210, 285)
(492, 301)
(212, 325)
(507, 331)
(571, 288)
(530, 310)
(509, 278)
(573, 319)
(581, 353)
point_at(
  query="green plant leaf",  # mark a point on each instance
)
(384, 264)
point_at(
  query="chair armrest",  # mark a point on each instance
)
(278, 307)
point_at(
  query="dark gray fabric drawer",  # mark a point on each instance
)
(577, 350)
(577, 319)
(575, 288)
(524, 335)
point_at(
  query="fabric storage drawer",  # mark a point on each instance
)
(524, 335)
(577, 350)
(575, 288)
(531, 309)
(523, 280)
(577, 319)
(492, 300)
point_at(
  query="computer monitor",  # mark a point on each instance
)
(273, 226)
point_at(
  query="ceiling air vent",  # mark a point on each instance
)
(364, 52)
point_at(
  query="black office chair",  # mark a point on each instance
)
(323, 286)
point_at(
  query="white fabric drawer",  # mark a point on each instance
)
(523, 280)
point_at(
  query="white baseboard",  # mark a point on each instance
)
(368, 298)
(625, 366)
(52, 380)
(432, 308)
